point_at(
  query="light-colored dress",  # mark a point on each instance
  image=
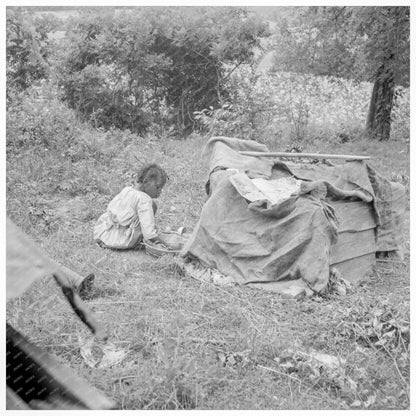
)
(129, 219)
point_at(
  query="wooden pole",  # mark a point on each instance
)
(299, 155)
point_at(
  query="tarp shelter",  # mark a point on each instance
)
(34, 379)
(276, 224)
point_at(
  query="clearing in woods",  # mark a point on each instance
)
(190, 344)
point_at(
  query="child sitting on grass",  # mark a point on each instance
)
(130, 216)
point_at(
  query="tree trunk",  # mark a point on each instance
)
(381, 104)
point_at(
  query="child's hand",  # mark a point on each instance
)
(170, 245)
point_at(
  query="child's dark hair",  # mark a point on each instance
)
(151, 171)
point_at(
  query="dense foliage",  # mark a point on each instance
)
(173, 70)
(129, 69)
(361, 43)
(27, 48)
(347, 42)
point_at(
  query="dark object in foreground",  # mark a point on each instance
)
(85, 288)
(35, 380)
(79, 308)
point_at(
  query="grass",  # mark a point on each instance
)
(191, 344)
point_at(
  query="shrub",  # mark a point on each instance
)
(105, 101)
(248, 111)
(27, 48)
(126, 69)
(273, 108)
(36, 120)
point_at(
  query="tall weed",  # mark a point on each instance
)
(37, 118)
(276, 108)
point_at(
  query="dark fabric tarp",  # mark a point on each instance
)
(244, 241)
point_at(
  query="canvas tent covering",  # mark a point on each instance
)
(272, 224)
(25, 262)
(36, 380)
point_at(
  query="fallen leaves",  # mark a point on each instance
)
(382, 327)
(317, 367)
(234, 359)
(100, 355)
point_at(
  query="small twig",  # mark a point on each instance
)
(198, 326)
(101, 259)
(121, 323)
(278, 372)
(391, 261)
(119, 379)
(114, 302)
(140, 161)
(402, 342)
(206, 341)
(105, 271)
(71, 344)
(193, 339)
(385, 272)
(376, 272)
(397, 369)
(208, 318)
